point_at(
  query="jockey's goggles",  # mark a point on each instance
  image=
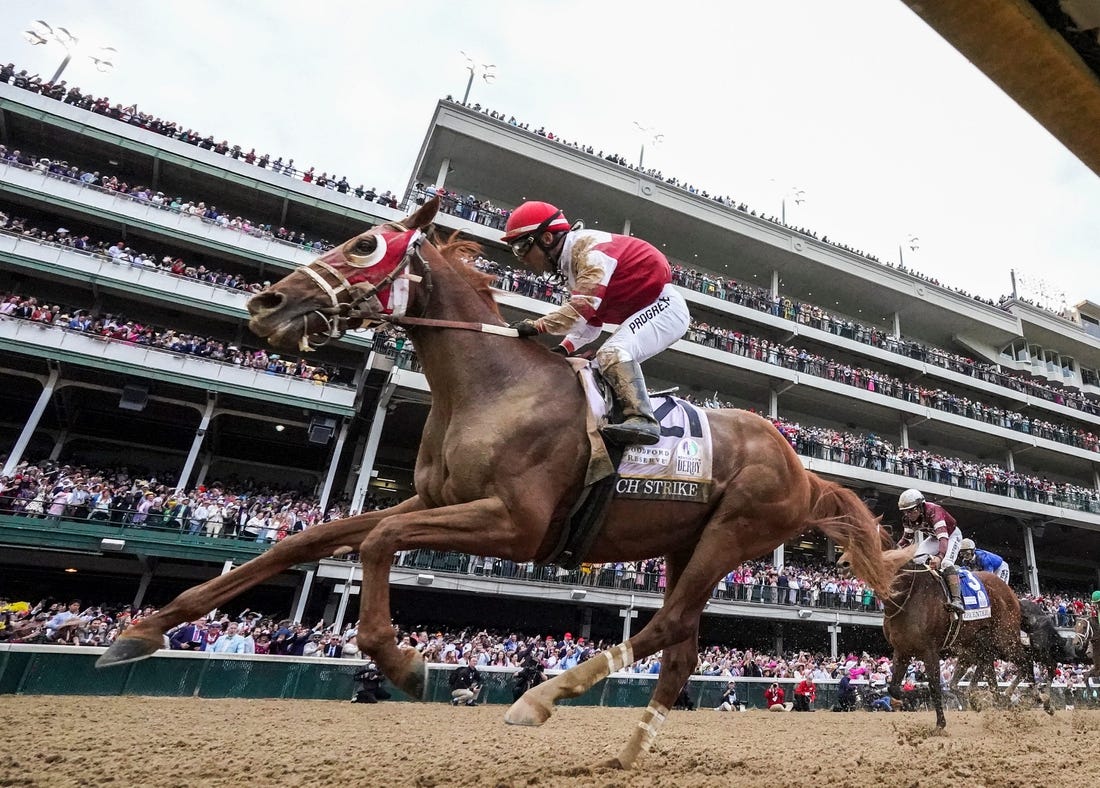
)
(521, 246)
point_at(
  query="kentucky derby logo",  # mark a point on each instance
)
(689, 458)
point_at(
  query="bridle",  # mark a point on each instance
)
(347, 299)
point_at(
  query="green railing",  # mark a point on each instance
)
(70, 670)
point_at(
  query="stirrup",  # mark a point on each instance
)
(633, 432)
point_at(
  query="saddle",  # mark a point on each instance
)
(677, 468)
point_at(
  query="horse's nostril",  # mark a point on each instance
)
(267, 301)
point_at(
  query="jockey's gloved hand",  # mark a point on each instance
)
(526, 328)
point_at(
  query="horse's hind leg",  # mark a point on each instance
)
(147, 636)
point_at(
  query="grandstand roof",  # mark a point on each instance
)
(1045, 54)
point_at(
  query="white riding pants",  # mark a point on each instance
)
(650, 330)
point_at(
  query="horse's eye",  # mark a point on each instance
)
(365, 246)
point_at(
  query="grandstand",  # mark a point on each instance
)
(200, 416)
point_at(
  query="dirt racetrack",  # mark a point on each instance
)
(62, 741)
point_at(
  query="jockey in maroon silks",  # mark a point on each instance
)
(938, 538)
(612, 279)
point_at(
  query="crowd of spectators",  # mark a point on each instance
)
(809, 363)
(464, 206)
(724, 200)
(118, 328)
(131, 115)
(872, 451)
(121, 252)
(232, 508)
(761, 299)
(147, 195)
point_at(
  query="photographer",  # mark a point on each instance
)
(465, 684)
(530, 675)
(730, 701)
(773, 698)
(370, 685)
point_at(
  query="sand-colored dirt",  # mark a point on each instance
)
(62, 741)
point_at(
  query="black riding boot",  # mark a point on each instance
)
(639, 426)
(951, 575)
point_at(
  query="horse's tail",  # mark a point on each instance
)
(838, 512)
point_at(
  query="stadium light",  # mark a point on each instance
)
(41, 32)
(485, 70)
(648, 133)
(912, 242)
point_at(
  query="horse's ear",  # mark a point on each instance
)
(424, 215)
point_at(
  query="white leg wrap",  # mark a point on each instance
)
(652, 719)
(618, 657)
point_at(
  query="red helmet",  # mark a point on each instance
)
(533, 218)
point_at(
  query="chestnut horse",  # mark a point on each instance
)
(502, 460)
(918, 625)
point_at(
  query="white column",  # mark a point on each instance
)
(834, 638)
(897, 325)
(773, 403)
(16, 455)
(196, 444)
(904, 437)
(777, 556)
(1029, 558)
(334, 462)
(586, 624)
(302, 596)
(204, 469)
(775, 283)
(626, 226)
(1010, 460)
(370, 452)
(444, 168)
(59, 444)
(148, 565)
(338, 622)
(627, 613)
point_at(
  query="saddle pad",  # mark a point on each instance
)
(975, 598)
(678, 468)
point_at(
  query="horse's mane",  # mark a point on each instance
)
(461, 253)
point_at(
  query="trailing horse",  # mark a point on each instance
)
(503, 458)
(918, 625)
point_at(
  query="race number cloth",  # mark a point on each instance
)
(678, 468)
(975, 598)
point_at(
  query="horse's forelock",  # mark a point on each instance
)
(461, 253)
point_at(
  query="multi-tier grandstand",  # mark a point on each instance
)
(128, 250)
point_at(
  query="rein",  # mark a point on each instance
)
(485, 328)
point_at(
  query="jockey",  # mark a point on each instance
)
(612, 279)
(982, 560)
(934, 529)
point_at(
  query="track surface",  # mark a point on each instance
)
(62, 741)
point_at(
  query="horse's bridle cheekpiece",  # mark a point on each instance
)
(347, 298)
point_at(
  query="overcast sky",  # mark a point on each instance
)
(886, 129)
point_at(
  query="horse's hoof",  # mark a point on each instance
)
(126, 650)
(415, 684)
(611, 763)
(525, 712)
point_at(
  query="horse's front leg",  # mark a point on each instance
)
(935, 692)
(467, 528)
(147, 636)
